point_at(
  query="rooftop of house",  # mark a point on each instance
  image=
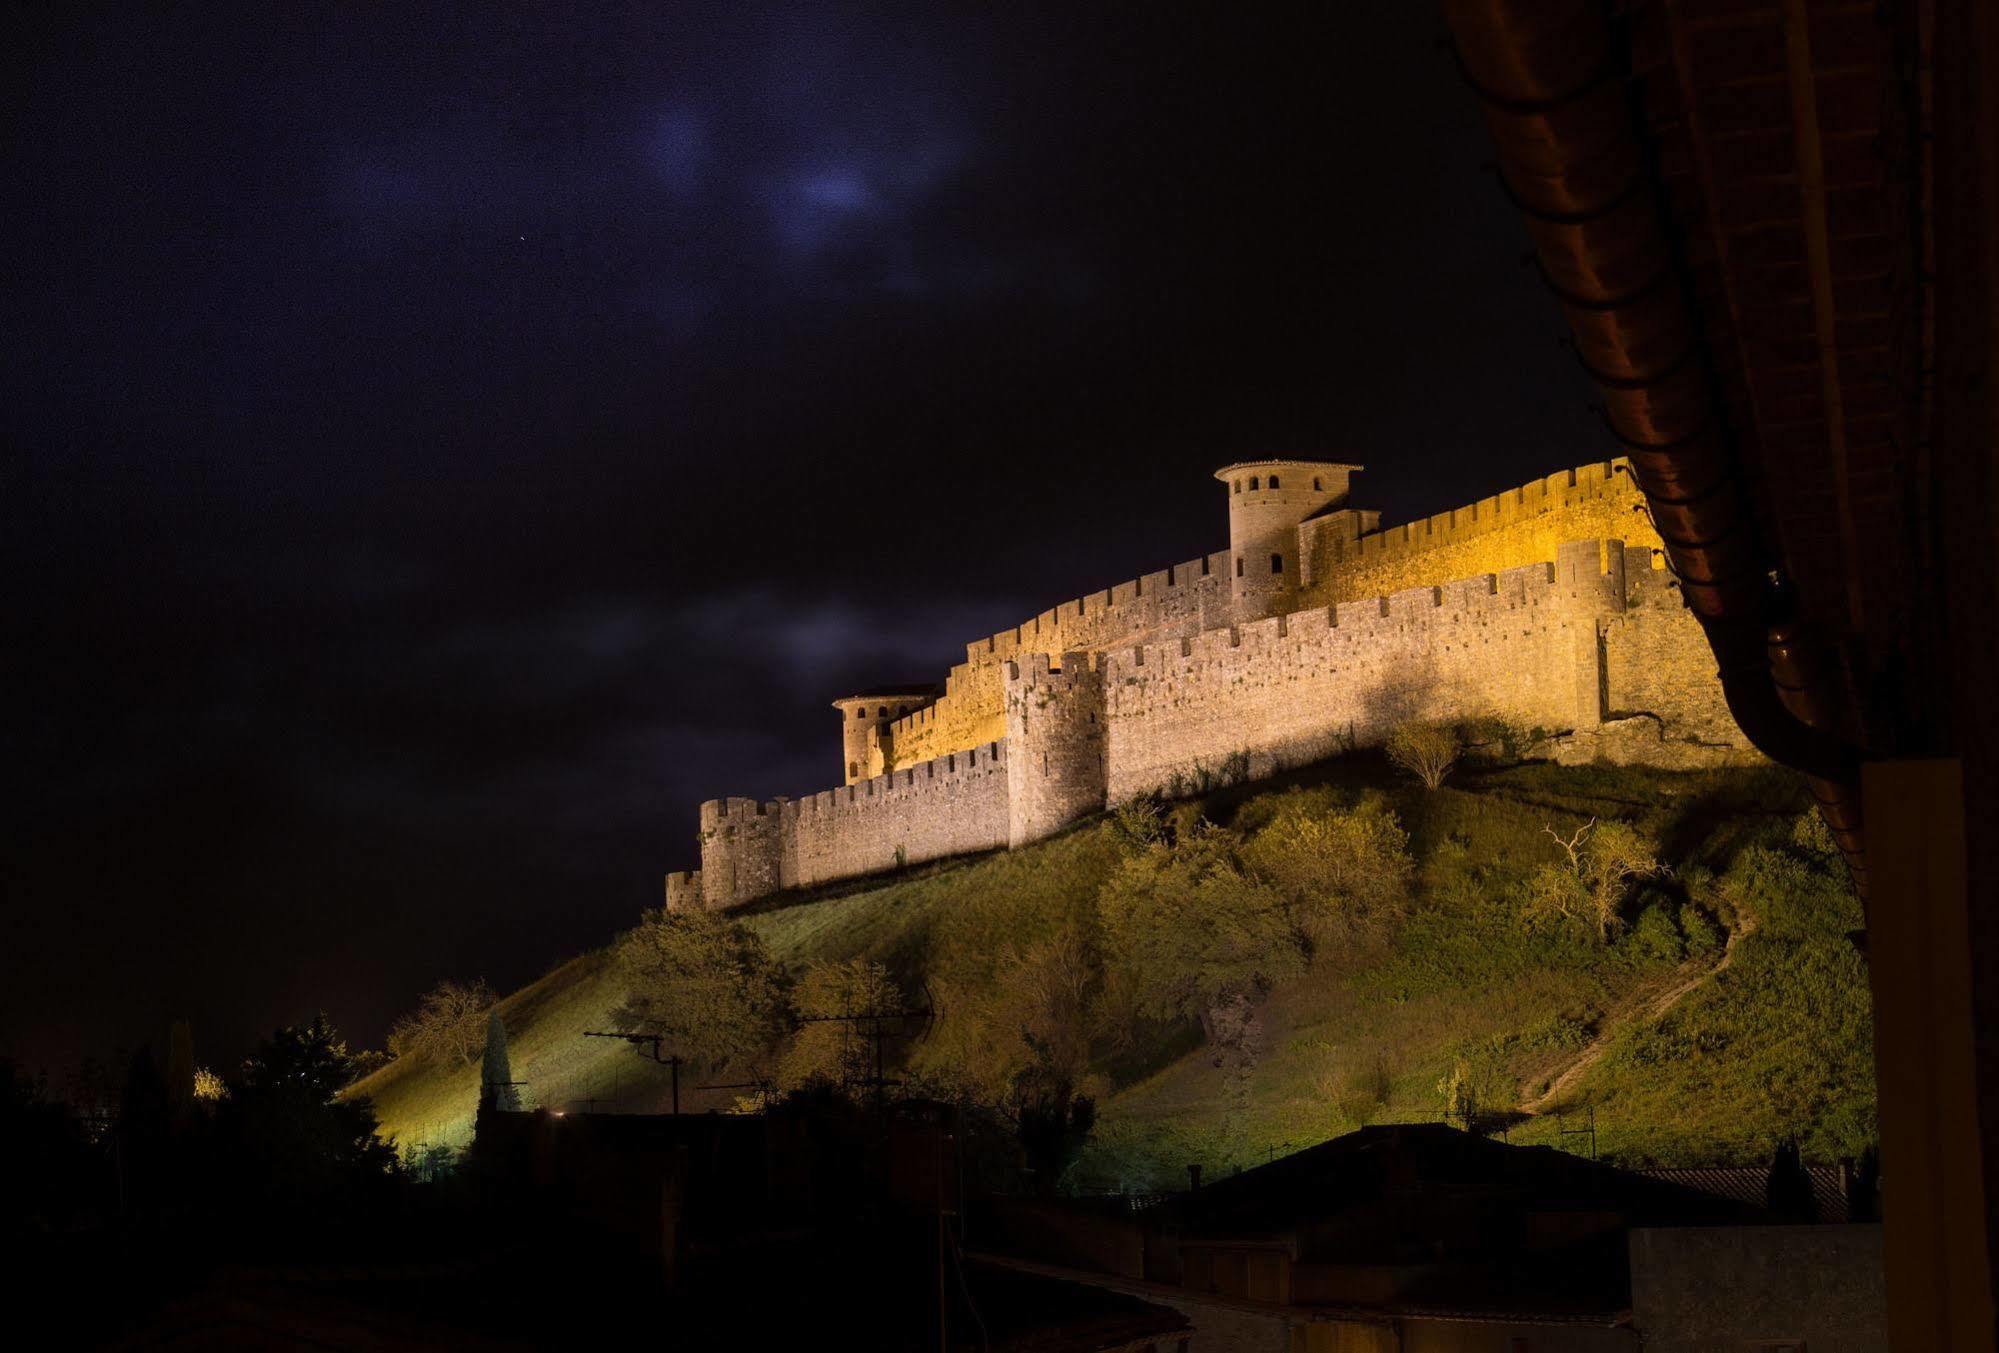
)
(1428, 1171)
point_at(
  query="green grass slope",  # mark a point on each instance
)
(1684, 1051)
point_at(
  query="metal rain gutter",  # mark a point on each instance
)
(1550, 79)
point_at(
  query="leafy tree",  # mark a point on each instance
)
(1016, 971)
(143, 1132)
(294, 1142)
(1053, 1123)
(48, 1168)
(1342, 870)
(838, 1051)
(431, 1162)
(448, 1025)
(1602, 862)
(180, 1074)
(1186, 931)
(1427, 751)
(496, 1073)
(367, 1061)
(706, 985)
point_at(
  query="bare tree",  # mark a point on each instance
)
(1426, 750)
(1603, 862)
(449, 1023)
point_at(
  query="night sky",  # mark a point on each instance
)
(447, 444)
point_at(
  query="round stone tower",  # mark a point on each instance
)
(1267, 501)
(1055, 741)
(864, 725)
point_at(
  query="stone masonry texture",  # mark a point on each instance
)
(1548, 606)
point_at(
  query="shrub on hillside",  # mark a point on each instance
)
(705, 985)
(1780, 892)
(1186, 931)
(1342, 870)
(1426, 750)
(1352, 1082)
(1477, 1089)
(1496, 740)
(1137, 823)
(1781, 1044)
(1655, 937)
(1812, 838)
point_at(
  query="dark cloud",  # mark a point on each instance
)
(448, 442)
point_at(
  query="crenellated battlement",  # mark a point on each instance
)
(1137, 602)
(1368, 621)
(1341, 555)
(1524, 524)
(1529, 605)
(1594, 482)
(683, 890)
(1048, 669)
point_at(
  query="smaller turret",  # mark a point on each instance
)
(1268, 499)
(865, 749)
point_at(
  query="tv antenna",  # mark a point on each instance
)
(878, 1027)
(652, 1041)
(765, 1086)
(1588, 1129)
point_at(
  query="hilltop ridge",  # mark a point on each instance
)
(1772, 1042)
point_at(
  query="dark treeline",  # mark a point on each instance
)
(131, 1186)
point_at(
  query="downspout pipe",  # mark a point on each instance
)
(1550, 79)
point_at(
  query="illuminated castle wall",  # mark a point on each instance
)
(1313, 633)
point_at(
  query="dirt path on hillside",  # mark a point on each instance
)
(1647, 1008)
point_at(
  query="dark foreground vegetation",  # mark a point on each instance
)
(1658, 967)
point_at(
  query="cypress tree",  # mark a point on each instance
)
(1788, 1189)
(180, 1074)
(497, 1090)
(1863, 1191)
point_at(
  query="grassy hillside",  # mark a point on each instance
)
(1691, 1046)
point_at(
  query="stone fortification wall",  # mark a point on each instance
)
(1293, 689)
(1338, 562)
(1183, 599)
(1659, 673)
(1594, 648)
(952, 805)
(1509, 530)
